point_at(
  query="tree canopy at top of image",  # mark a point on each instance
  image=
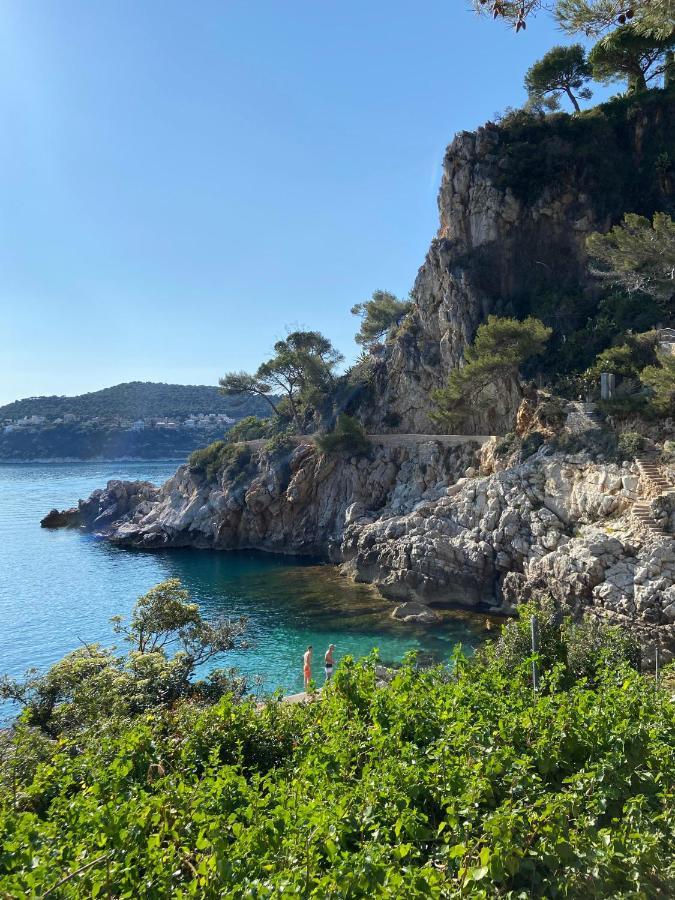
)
(561, 70)
(589, 17)
(624, 54)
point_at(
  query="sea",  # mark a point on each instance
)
(59, 589)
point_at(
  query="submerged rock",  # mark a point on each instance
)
(415, 612)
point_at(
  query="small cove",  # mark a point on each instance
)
(59, 588)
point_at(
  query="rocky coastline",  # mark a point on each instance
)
(426, 524)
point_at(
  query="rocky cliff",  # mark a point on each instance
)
(516, 203)
(420, 523)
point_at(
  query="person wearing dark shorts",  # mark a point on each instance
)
(329, 662)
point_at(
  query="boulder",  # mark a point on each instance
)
(65, 518)
(413, 612)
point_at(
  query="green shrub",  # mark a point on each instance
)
(571, 650)
(348, 437)
(281, 445)
(220, 457)
(591, 646)
(252, 428)
(507, 445)
(445, 783)
(630, 444)
(668, 453)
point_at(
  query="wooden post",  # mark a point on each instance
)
(534, 630)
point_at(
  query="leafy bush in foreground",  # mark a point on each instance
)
(168, 641)
(449, 782)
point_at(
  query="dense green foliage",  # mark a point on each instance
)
(625, 55)
(378, 316)
(619, 154)
(630, 444)
(650, 17)
(168, 640)
(596, 151)
(560, 70)
(499, 349)
(220, 457)
(252, 428)
(638, 255)
(137, 400)
(348, 436)
(587, 17)
(443, 783)
(660, 379)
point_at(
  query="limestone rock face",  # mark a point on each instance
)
(497, 242)
(430, 524)
(297, 506)
(411, 522)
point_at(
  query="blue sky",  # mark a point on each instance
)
(182, 182)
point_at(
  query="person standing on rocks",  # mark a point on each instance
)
(328, 662)
(307, 666)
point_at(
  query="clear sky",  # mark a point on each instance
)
(181, 182)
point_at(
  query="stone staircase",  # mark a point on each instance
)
(642, 513)
(652, 473)
(582, 417)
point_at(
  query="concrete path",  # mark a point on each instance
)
(396, 440)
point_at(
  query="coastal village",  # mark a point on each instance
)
(195, 421)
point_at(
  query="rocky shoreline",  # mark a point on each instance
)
(429, 525)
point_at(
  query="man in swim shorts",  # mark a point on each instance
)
(307, 666)
(328, 662)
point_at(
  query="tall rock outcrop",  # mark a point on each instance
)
(516, 203)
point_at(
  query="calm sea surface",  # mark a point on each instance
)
(58, 588)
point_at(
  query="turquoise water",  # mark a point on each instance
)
(58, 588)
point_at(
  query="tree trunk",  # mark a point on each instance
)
(669, 71)
(265, 397)
(636, 82)
(573, 99)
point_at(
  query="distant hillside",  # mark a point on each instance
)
(138, 400)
